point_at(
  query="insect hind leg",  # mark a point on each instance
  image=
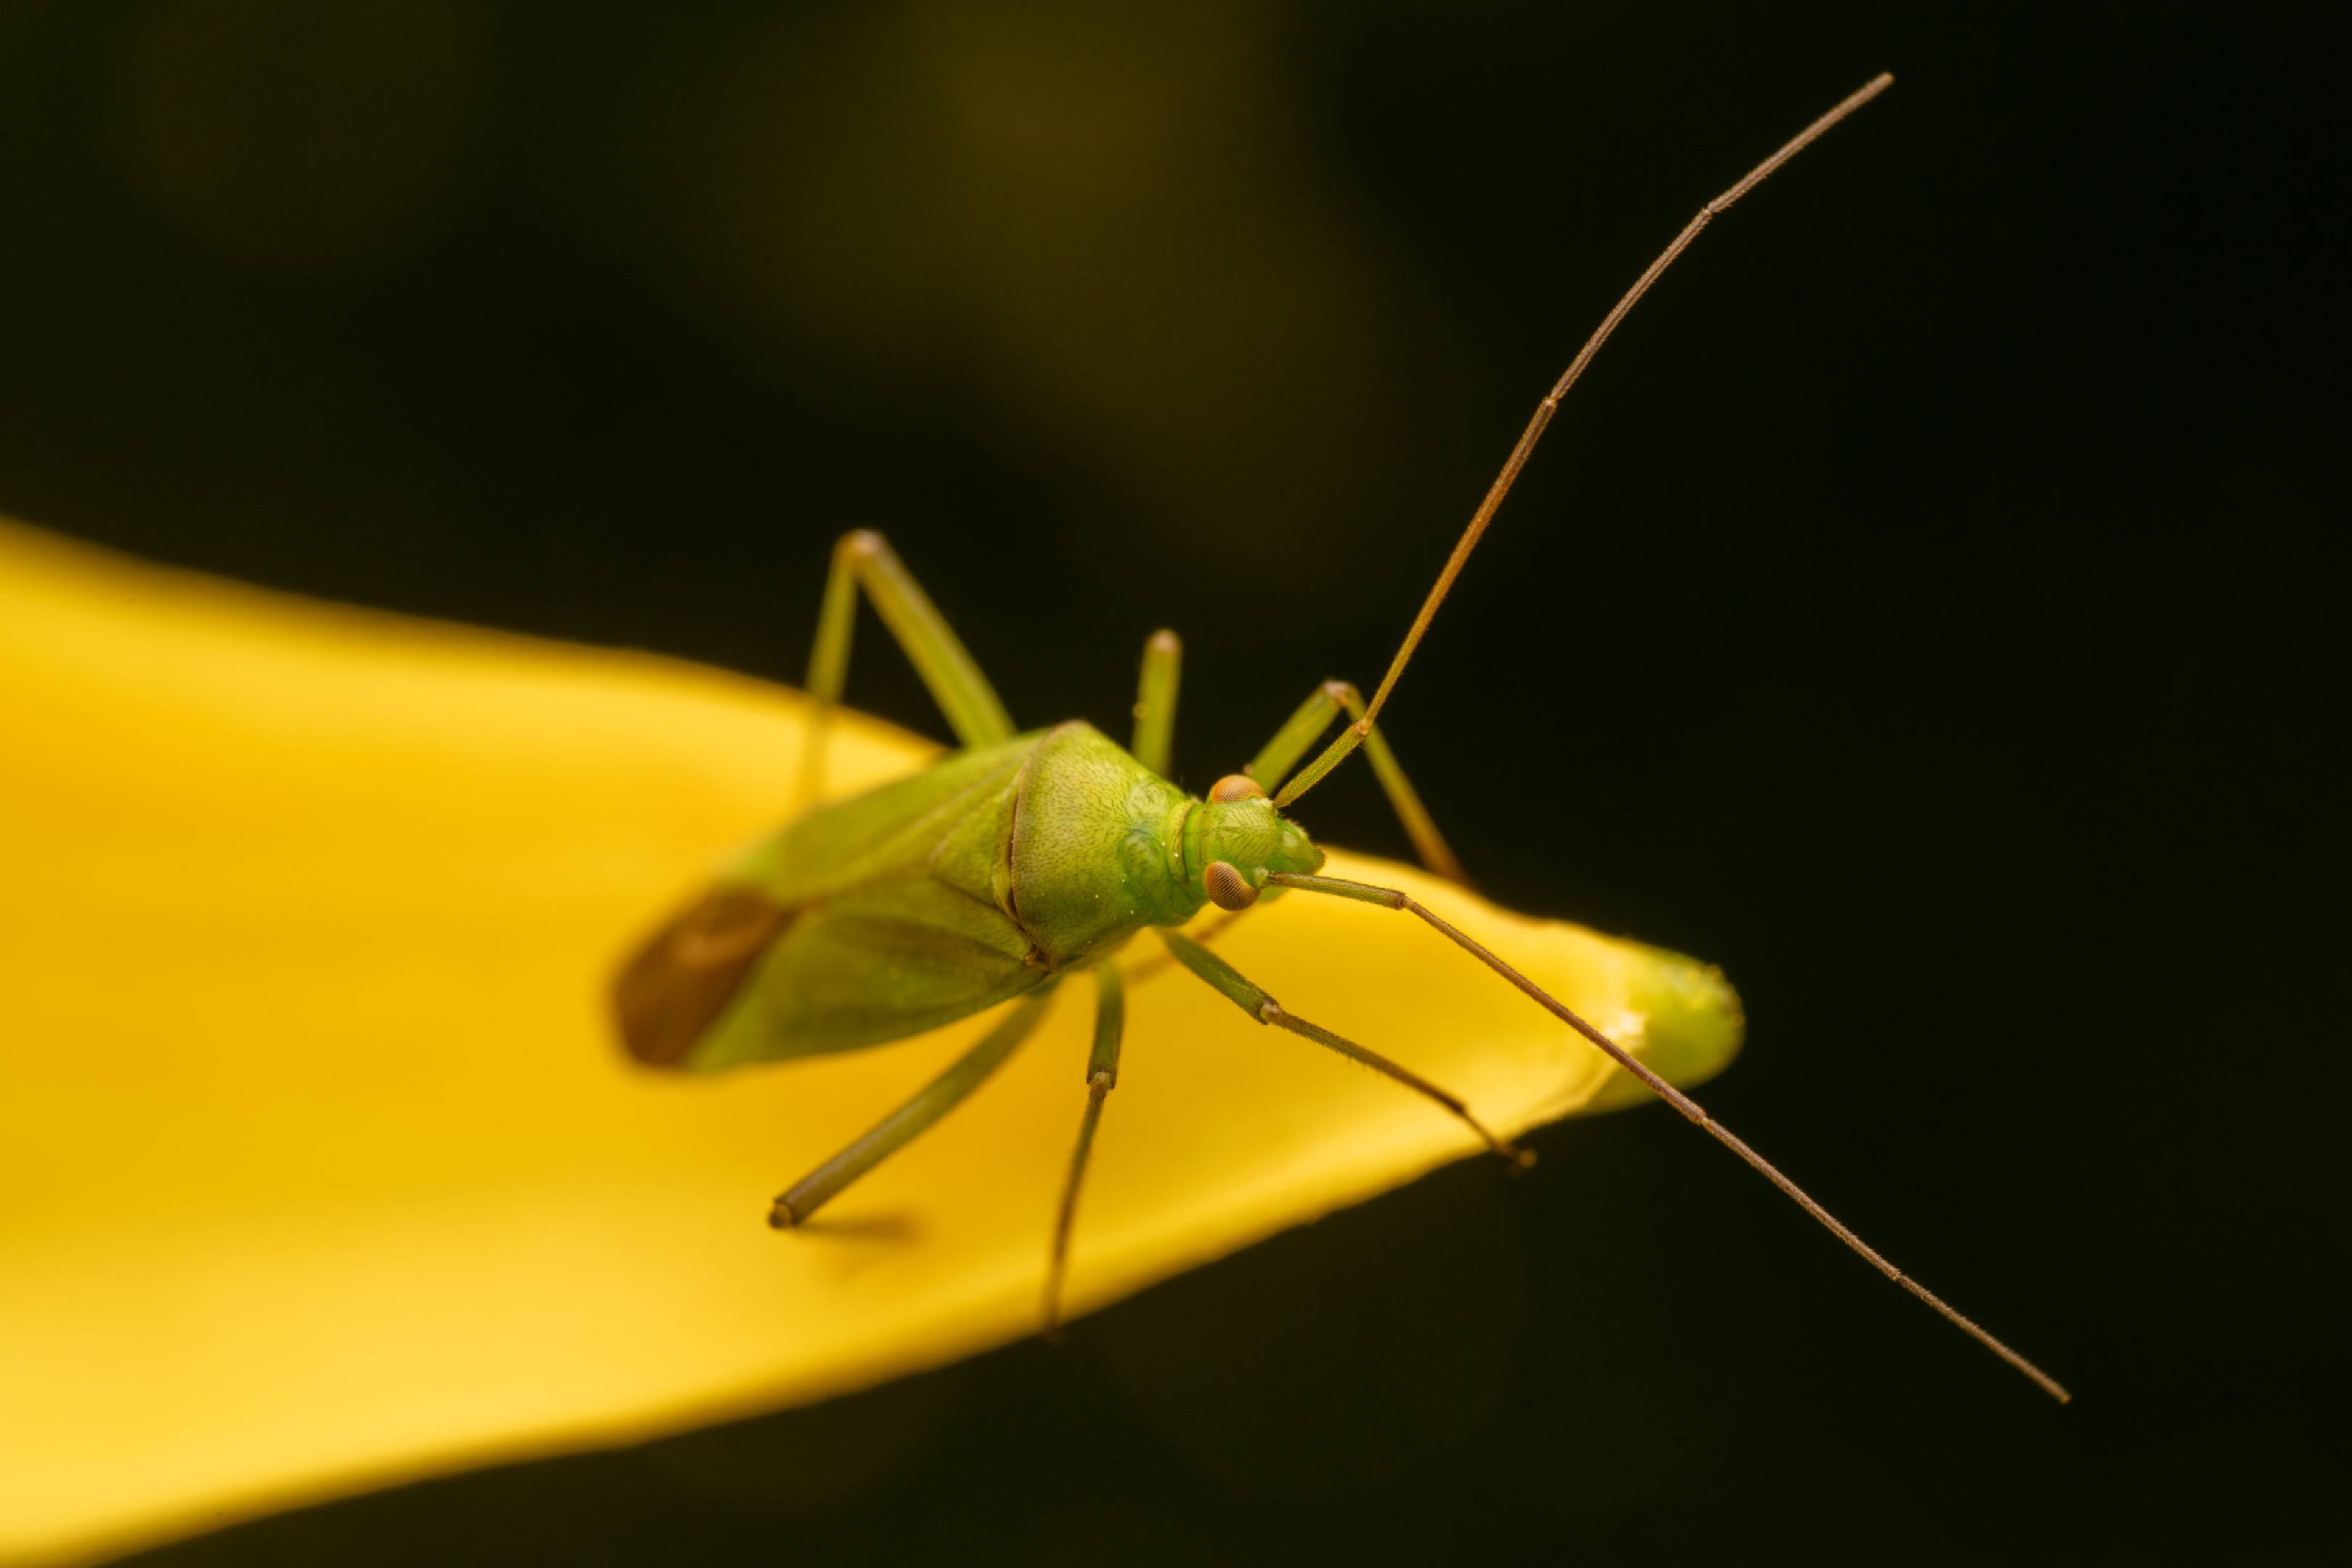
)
(904, 1125)
(863, 559)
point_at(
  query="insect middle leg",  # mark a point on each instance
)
(1155, 701)
(864, 560)
(902, 1126)
(1102, 1076)
(1252, 999)
(1304, 728)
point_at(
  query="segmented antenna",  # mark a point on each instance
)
(1349, 739)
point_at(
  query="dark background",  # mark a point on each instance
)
(1919, 611)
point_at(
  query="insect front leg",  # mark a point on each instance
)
(1102, 1076)
(1251, 998)
(864, 560)
(1304, 728)
(902, 1126)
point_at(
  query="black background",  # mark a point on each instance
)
(1920, 612)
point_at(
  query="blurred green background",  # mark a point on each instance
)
(1920, 612)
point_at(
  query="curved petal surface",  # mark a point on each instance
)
(318, 1168)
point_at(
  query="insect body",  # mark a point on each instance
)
(1019, 859)
(984, 877)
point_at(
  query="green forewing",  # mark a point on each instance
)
(890, 829)
(895, 919)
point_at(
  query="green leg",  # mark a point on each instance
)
(1155, 701)
(1151, 968)
(863, 559)
(1102, 1076)
(1236, 988)
(901, 1126)
(1281, 754)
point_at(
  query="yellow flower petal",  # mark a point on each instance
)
(321, 1169)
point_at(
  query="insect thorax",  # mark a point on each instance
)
(1094, 847)
(1101, 845)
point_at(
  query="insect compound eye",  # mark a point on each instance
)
(1234, 787)
(1227, 887)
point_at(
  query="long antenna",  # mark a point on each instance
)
(1395, 898)
(1349, 739)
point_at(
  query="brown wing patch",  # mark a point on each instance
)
(676, 986)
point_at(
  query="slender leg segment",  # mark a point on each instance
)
(1155, 701)
(1273, 764)
(1159, 962)
(863, 559)
(1102, 1076)
(1395, 898)
(902, 1126)
(1236, 988)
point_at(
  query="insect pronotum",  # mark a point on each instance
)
(1023, 857)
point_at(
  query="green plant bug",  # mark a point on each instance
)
(1020, 858)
